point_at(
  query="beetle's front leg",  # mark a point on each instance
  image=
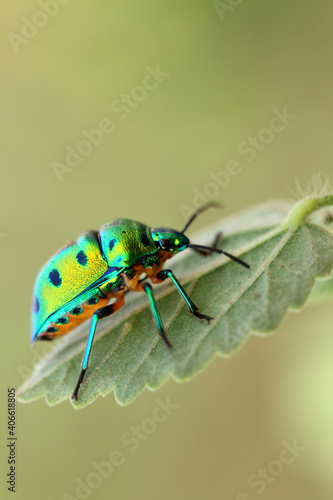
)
(167, 273)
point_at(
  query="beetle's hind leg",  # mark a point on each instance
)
(99, 314)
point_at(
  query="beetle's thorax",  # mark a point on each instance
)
(149, 272)
(164, 255)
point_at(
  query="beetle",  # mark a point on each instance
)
(79, 280)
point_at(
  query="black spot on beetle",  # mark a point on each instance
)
(63, 321)
(36, 305)
(124, 232)
(81, 258)
(144, 239)
(51, 329)
(45, 337)
(112, 244)
(77, 310)
(101, 294)
(92, 301)
(55, 277)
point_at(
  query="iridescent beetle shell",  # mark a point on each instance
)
(72, 276)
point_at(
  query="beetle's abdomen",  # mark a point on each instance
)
(66, 322)
(68, 318)
(70, 271)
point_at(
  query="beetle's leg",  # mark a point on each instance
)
(99, 314)
(204, 253)
(160, 328)
(167, 273)
(217, 238)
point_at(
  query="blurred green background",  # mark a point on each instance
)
(228, 68)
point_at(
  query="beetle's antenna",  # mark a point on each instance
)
(206, 249)
(199, 211)
(217, 250)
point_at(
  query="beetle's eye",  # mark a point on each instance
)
(165, 244)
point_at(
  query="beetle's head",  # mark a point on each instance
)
(173, 241)
(170, 240)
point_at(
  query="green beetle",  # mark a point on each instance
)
(80, 279)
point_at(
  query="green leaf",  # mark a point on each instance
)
(286, 248)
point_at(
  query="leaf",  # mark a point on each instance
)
(286, 251)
